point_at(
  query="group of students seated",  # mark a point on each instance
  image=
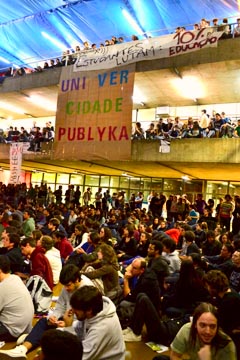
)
(35, 136)
(128, 267)
(215, 126)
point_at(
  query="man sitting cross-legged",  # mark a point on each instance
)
(71, 280)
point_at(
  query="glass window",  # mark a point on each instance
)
(114, 181)
(49, 178)
(76, 179)
(216, 189)
(234, 188)
(175, 186)
(63, 179)
(192, 186)
(135, 183)
(92, 180)
(146, 184)
(104, 181)
(157, 185)
(37, 177)
(124, 182)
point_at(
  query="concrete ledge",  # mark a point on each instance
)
(225, 151)
(227, 50)
(189, 150)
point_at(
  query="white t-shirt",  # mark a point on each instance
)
(16, 306)
(55, 261)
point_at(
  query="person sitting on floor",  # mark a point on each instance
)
(71, 280)
(228, 304)
(16, 306)
(57, 345)
(202, 338)
(39, 263)
(97, 313)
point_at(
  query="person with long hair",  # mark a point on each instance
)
(79, 236)
(106, 268)
(106, 236)
(127, 247)
(187, 292)
(202, 338)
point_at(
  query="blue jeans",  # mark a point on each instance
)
(36, 334)
(5, 334)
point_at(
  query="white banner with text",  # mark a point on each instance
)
(16, 150)
(153, 48)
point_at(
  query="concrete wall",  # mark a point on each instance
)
(226, 50)
(181, 150)
(189, 150)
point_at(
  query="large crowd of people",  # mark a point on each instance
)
(35, 136)
(216, 125)
(173, 267)
(121, 266)
(69, 56)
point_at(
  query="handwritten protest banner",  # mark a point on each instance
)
(94, 114)
(15, 163)
(148, 49)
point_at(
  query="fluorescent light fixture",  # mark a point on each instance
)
(138, 97)
(4, 60)
(132, 21)
(189, 87)
(138, 101)
(185, 178)
(12, 108)
(54, 41)
(42, 102)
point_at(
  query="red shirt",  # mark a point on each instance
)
(41, 266)
(65, 248)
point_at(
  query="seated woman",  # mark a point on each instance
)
(126, 249)
(106, 268)
(79, 236)
(196, 130)
(106, 236)
(142, 246)
(183, 295)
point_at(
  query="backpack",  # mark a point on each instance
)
(41, 294)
